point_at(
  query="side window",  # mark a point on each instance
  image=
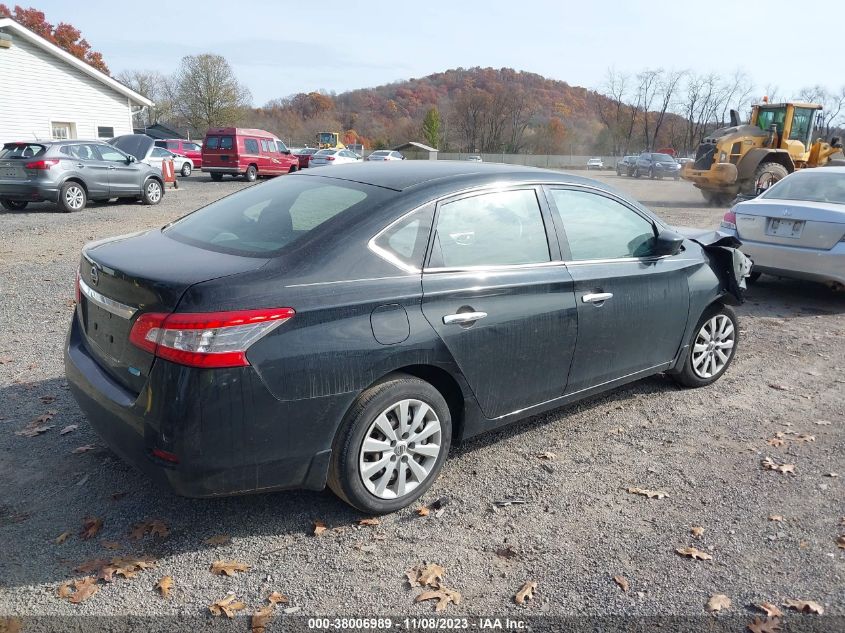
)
(111, 154)
(172, 145)
(281, 147)
(264, 146)
(159, 152)
(212, 142)
(191, 147)
(250, 146)
(600, 228)
(492, 229)
(404, 242)
(226, 142)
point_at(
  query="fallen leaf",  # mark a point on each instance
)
(823, 422)
(805, 606)
(775, 517)
(770, 609)
(526, 593)
(154, 527)
(693, 552)
(90, 527)
(164, 585)
(769, 625)
(83, 449)
(443, 596)
(226, 606)
(778, 387)
(125, 566)
(117, 496)
(802, 544)
(277, 598)
(546, 456)
(840, 542)
(111, 544)
(319, 528)
(651, 494)
(506, 552)
(260, 619)
(83, 588)
(70, 428)
(622, 582)
(372, 521)
(717, 602)
(47, 399)
(34, 431)
(696, 531)
(219, 539)
(804, 437)
(775, 441)
(423, 511)
(91, 566)
(770, 464)
(61, 538)
(227, 568)
(11, 625)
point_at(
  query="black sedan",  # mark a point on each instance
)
(346, 329)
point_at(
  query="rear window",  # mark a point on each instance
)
(261, 221)
(22, 150)
(813, 186)
(226, 142)
(212, 142)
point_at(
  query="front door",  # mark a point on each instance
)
(124, 177)
(500, 299)
(632, 306)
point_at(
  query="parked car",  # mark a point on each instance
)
(656, 165)
(71, 173)
(332, 157)
(595, 163)
(683, 160)
(183, 147)
(304, 155)
(360, 321)
(626, 165)
(475, 158)
(385, 154)
(245, 152)
(796, 228)
(181, 164)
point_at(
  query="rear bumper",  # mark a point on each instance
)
(28, 191)
(230, 434)
(799, 263)
(223, 170)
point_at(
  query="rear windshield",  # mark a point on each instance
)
(263, 220)
(813, 186)
(218, 142)
(22, 150)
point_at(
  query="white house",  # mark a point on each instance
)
(47, 93)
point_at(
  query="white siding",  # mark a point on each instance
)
(37, 88)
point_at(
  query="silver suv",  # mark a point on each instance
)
(70, 173)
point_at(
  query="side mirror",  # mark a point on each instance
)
(667, 242)
(836, 142)
(130, 160)
(287, 151)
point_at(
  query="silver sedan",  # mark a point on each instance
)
(796, 228)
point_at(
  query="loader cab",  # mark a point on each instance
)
(793, 122)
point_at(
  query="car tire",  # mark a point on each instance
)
(72, 197)
(14, 205)
(704, 366)
(251, 173)
(637, 172)
(186, 170)
(651, 173)
(767, 173)
(378, 491)
(217, 177)
(754, 277)
(153, 192)
(293, 168)
(618, 172)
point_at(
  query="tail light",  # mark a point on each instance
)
(729, 221)
(42, 165)
(205, 339)
(329, 157)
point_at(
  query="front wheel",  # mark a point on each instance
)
(391, 445)
(14, 205)
(712, 348)
(152, 192)
(651, 174)
(251, 173)
(637, 173)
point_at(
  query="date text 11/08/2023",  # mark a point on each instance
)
(418, 624)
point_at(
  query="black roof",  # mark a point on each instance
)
(403, 175)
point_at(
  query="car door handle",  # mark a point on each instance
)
(112, 167)
(598, 297)
(463, 317)
(80, 165)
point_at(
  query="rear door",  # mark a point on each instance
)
(500, 299)
(87, 163)
(632, 306)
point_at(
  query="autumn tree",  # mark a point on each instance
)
(63, 35)
(431, 127)
(207, 93)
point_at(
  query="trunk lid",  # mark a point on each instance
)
(789, 223)
(127, 276)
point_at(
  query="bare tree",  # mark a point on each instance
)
(155, 87)
(208, 93)
(648, 82)
(667, 84)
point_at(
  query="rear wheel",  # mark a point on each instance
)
(217, 177)
(637, 172)
(152, 192)
(391, 445)
(251, 173)
(14, 205)
(712, 348)
(72, 197)
(651, 173)
(292, 169)
(186, 170)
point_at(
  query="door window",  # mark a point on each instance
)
(251, 146)
(265, 147)
(159, 153)
(405, 240)
(281, 147)
(494, 229)
(189, 147)
(598, 227)
(111, 154)
(226, 142)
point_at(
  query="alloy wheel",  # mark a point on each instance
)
(713, 346)
(400, 449)
(153, 192)
(74, 197)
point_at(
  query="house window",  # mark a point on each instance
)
(105, 132)
(63, 131)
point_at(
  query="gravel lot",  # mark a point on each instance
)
(578, 528)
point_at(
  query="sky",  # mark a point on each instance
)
(280, 47)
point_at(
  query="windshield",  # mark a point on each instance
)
(263, 220)
(813, 186)
(380, 152)
(22, 150)
(663, 158)
(767, 116)
(327, 137)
